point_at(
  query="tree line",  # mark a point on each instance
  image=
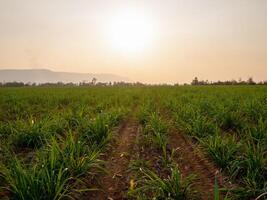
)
(250, 81)
(70, 84)
(94, 82)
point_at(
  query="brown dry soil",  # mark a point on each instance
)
(191, 160)
(114, 185)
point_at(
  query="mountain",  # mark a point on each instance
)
(45, 75)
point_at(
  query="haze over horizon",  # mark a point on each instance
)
(148, 41)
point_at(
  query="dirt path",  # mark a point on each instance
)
(115, 184)
(192, 161)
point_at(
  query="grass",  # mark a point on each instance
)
(68, 128)
(251, 167)
(258, 133)
(62, 165)
(58, 169)
(172, 187)
(78, 156)
(97, 131)
(32, 134)
(223, 150)
(46, 182)
(157, 130)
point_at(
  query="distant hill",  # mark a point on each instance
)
(44, 76)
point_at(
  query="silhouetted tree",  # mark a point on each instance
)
(94, 81)
(250, 81)
(195, 81)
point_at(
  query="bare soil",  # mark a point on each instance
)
(115, 183)
(191, 160)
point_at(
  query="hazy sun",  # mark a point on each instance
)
(130, 32)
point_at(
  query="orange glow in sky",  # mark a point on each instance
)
(151, 41)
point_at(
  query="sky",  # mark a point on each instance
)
(151, 41)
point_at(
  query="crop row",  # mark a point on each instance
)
(53, 152)
(231, 126)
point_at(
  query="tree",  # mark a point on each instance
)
(250, 81)
(94, 81)
(195, 81)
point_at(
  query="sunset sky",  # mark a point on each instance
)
(152, 41)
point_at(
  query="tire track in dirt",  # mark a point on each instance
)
(115, 183)
(192, 161)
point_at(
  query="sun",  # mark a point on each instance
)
(131, 32)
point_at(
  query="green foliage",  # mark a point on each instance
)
(158, 131)
(217, 195)
(258, 133)
(56, 172)
(77, 156)
(231, 121)
(52, 127)
(251, 168)
(222, 149)
(212, 114)
(216, 190)
(139, 163)
(144, 113)
(201, 127)
(47, 182)
(97, 131)
(31, 134)
(173, 187)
